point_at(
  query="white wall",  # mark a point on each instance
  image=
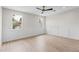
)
(64, 24)
(0, 25)
(31, 25)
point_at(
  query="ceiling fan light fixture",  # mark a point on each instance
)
(44, 9)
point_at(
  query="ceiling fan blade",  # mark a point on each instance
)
(49, 9)
(38, 8)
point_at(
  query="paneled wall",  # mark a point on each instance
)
(65, 24)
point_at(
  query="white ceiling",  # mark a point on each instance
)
(33, 10)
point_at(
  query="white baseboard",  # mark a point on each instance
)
(24, 38)
(64, 37)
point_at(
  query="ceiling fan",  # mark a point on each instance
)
(44, 9)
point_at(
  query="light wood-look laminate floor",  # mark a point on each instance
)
(43, 43)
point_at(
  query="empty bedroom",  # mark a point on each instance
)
(39, 28)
